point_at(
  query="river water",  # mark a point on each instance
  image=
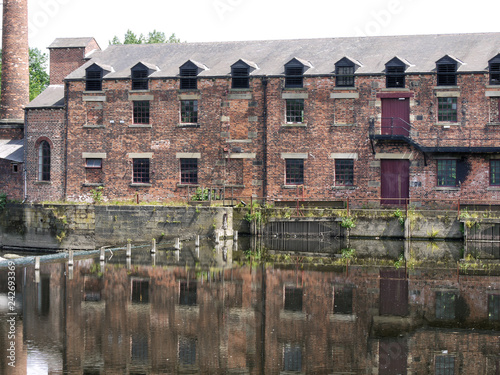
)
(220, 310)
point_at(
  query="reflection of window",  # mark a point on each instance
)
(140, 348)
(140, 291)
(342, 299)
(188, 293)
(495, 172)
(445, 365)
(447, 172)
(445, 305)
(494, 307)
(292, 357)
(44, 295)
(447, 109)
(293, 298)
(187, 351)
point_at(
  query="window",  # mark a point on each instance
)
(141, 112)
(187, 351)
(241, 78)
(342, 299)
(445, 365)
(44, 161)
(294, 174)
(292, 358)
(447, 172)
(295, 111)
(395, 76)
(188, 293)
(445, 305)
(140, 78)
(494, 68)
(188, 78)
(293, 298)
(344, 72)
(140, 291)
(189, 171)
(14, 168)
(294, 76)
(344, 172)
(141, 171)
(447, 73)
(447, 109)
(189, 111)
(93, 163)
(93, 78)
(494, 307)
(495, 172)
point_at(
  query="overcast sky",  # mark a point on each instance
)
(224, 20)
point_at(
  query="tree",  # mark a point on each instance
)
(152, 38)
(39, 78)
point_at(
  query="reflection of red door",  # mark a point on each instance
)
(396, 116)
(394, 181)
(393, 292)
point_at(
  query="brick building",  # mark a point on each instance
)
(375, 118)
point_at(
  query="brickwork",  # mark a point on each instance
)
(45, 125)
(15, 60)
(12, 132)
(11, 182)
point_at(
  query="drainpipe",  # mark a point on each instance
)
(264, 120)
(25, 157)
(65, 141)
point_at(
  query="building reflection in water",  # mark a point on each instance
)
(183, 318)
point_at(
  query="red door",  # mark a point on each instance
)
(396, 116)
(394, 181)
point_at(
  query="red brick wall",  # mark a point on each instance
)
(45, 124)
(11, 182)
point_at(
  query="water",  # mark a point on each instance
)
(219, 311)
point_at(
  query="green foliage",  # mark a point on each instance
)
(201, 194)
(256, 216)
(400, 216)
(3, 200)
(97, 194)
(153, 37)
(433, 233)
(399, 263)
(348, 222)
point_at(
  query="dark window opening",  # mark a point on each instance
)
(294, 77)
(93, 80)
(44, 161)
(187, 351)
(189, 171)
(15, 168)
(344, 172)
(140, 79)
(447, 109)
(140, 291)
(295, 111)
(447, 172)
(395, 76)
(189, 111)
(495, 172)
(342, 300)
(494, 307)
(293, 298)
(141, 112)
(446, 305)
(344, 76)
(94, 163)
(447, 74)
(189, 80)
(188, 293)
(240, 78)
(141, 171)
(494, 73)
(294, 172)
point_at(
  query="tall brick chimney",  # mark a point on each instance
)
(15, 61)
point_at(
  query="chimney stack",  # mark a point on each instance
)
(15, 61)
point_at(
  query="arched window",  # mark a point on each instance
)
(44, 161)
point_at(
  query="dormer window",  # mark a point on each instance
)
(294, 73)
(140, 79)
(344, 72)
(494, 69)
(395, 73)
(240, 73)
(93, 78)
(188, 73)
(446, 71)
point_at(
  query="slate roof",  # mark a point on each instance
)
(71, 42)
(420, 51)
(12, 150)
(52, 96)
